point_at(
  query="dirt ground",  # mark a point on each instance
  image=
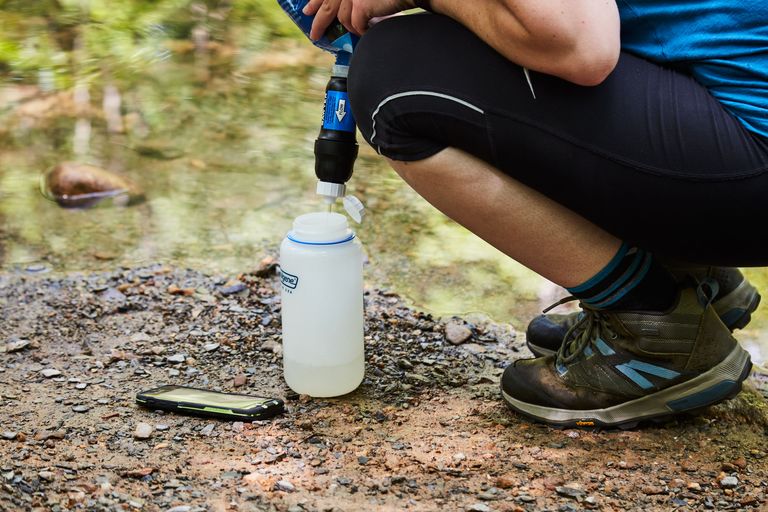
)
(426, 430)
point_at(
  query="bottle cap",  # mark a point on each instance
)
(354, 208)
(320, 228)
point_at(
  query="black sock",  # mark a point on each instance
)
(631, 281)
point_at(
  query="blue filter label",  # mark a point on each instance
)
(338, 114)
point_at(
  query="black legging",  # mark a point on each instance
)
(648, 155)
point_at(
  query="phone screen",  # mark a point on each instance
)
(209, 398)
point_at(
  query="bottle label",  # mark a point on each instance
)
(289, 281)
(337, 115)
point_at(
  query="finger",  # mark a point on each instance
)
(312, 7)
(325, 15)
(345, 15)
(360, 20)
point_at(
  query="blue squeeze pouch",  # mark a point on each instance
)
(336, 40)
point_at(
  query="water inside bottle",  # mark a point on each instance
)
(324, 381)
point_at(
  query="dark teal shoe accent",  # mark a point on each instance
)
(711, 395)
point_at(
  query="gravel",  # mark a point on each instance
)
(425, 430)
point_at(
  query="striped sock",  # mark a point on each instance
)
(632, 280)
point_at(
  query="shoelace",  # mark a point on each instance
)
(593, 324)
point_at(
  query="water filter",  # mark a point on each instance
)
(321, 270)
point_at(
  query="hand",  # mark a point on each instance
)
(355, 15)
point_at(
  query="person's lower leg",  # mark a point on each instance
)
(540, 233)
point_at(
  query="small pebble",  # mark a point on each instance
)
(50, 372)
(46, 475)
(16, 346)
(207, 430)
(285, 485)
(232, 287)
(570, 492)
(457, 333)
(729, 482)
(479, 507)
(81, 408)
(161, 427)
(143, 431)
(176, 358)
(9, 435)
(210, 347)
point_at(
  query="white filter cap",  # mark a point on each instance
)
(333, 190)
(320, 227)
(354, 208)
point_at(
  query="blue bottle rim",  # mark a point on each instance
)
(337, 242)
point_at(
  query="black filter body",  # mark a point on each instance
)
(336, 147)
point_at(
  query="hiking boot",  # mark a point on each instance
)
(615, 369)
(736, 302)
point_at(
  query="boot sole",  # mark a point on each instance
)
(733, 316)
(716, 385)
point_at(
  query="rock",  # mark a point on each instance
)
(140, 337)
(569, 491)
(285, 485)
(16, 346)
(729, 482)
(143, 431)
(694, 486)
(239, 381)
(176, 358)
(210, 347)
(740, 463)
(267, 267)
(81, 386)
(160, 150)
(653, 489)
(232, 287)
(138, 473)
(207, 430)
(46, 475)
(50, 372)
(81, 408)
(479, 507)
(160, 427)
(75, 185)
(362, 460)
(180, 508)
(505, 482)
(175, 290)
(10, 436)
(457, 333)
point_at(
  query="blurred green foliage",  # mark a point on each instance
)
(76, 40)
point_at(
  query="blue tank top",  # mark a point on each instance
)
(723, 44)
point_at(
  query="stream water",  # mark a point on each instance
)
(217, 128)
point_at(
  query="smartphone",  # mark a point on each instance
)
(212, 404)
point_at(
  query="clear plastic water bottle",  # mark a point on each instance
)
(321, 265)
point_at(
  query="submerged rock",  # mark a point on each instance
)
(76, 185)
(160, 150)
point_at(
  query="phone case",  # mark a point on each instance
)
(270, 408)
